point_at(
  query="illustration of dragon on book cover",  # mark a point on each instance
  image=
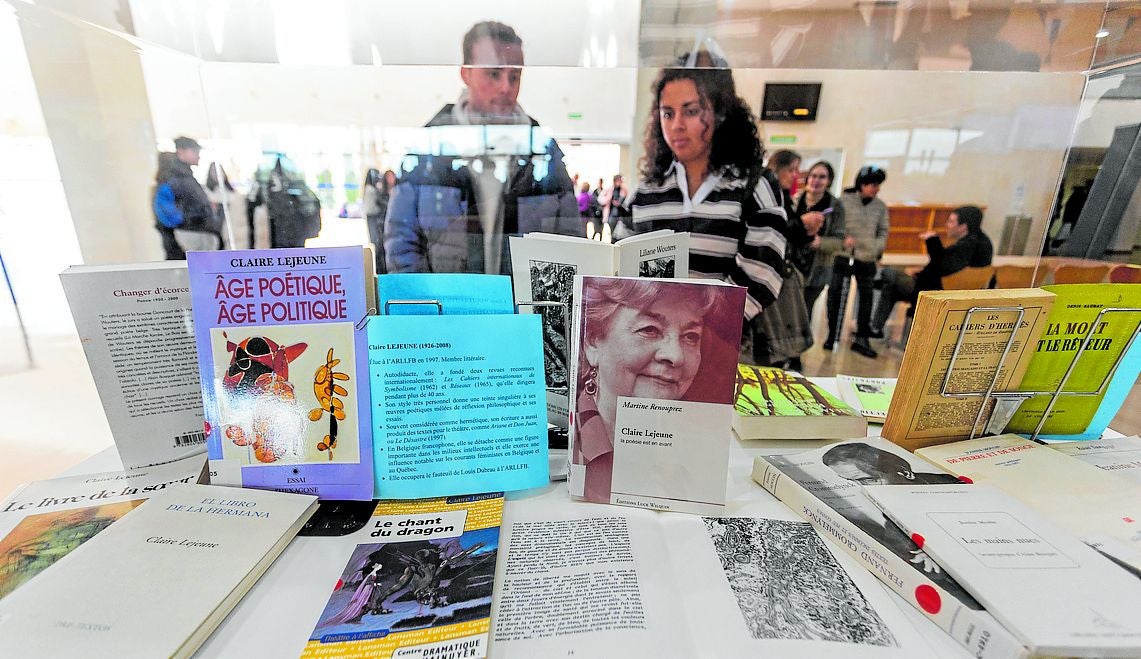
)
(287, 393)
(433, 589)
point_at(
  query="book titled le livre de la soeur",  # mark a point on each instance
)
(43, 521)
(135, 326)
(771, 403)
(544, 266)
(825, 487)
(158, 581)
(919, 414)
(283, 358)
(652, 380)
(1058, 596)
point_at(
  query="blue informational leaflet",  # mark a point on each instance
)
(458, 404)
(456, 293)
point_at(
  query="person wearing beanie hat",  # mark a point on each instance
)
(969, 247)
(866, 226)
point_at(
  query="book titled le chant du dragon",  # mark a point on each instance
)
(284, 369)
(158, 581)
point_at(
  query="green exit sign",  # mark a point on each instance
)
(577, 116)
(782, 139)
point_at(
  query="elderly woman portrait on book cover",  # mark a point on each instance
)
(647, 338)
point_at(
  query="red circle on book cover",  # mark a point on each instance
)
(918, 540)
(206, 427)
(966, 479)
(928, 599)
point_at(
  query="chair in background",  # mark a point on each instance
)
(1125, 273)
(1019, 276)
(969, 278)
(1080, 274)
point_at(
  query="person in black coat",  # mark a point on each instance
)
(970, 247)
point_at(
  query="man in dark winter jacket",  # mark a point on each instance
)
(190, 199)
(969, 247)
(453, 211)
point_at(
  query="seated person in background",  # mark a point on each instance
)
(969, 247)
(455, 212)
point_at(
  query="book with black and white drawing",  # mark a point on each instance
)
(1056, 594)
(544, 266)
(43, 521)
(135, 325)
(825, 487)
(635, 583)
(158, 581)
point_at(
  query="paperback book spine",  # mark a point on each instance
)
(977, 631)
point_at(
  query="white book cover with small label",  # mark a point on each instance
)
(155, 583)
(137, 332)
(1052, 591)
(1120, 456)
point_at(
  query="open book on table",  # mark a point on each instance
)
(584, 580)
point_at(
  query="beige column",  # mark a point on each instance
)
(91, 90)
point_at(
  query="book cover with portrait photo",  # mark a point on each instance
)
(652, 379)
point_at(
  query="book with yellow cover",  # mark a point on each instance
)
(418, 584)
(919, 414)
(1075, 311)
(1098, 507)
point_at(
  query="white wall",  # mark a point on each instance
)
(943, 137)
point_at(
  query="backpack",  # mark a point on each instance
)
(165, 210)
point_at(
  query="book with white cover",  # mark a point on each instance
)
(1057, 595)
(825, 487)
(135, 325)
(158, 581)
(1120, 456)
(1099, 507)
(43, 521)
(544, 266)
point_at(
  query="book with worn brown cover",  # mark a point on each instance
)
(919, 415)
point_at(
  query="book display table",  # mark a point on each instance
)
(277, 615)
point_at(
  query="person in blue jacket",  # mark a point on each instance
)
(453, 210)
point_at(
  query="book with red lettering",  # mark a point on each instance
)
(284, 369)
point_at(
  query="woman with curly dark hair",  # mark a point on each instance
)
(702, 173)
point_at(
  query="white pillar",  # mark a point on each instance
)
(94, 103)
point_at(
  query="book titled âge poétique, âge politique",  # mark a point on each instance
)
(284, 369)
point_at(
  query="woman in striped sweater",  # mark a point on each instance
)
(702, 173)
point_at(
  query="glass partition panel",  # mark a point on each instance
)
(523, 125)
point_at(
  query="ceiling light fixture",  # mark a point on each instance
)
(1101, 34)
